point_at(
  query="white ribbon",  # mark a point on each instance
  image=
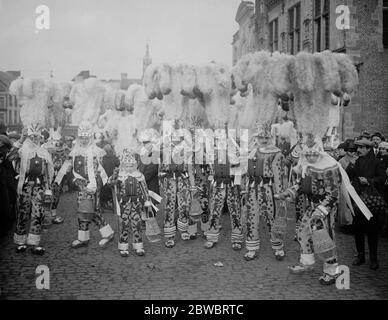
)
(62, 172)
(352, 192)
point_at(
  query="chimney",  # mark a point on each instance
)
(124, 76)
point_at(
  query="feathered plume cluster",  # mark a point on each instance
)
(41, 101)
(183, 86)
(90, 99)
(310, 78)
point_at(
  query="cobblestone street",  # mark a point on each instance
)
(185, 272)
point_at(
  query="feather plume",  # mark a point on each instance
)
(305, 71)
(327, 68)
(214, 80)
(278, 74)
(348, 72)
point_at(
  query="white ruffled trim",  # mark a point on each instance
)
(83, 235)
(19, 239)
(237, 237)
(331, 269)
(169, 232)
(123, 246)
(183, 227)
(307, 259)
(212, 237)
(33, 239)
(252, 245)
(138, 246)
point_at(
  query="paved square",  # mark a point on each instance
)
(185, 272)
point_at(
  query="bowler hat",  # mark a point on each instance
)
(350, 146)
(378, 134)
(364, 142)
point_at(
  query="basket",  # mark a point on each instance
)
(152, 231)
(324, 245)
(48, 197)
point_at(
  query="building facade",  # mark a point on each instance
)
(9, 108)
(291, 26)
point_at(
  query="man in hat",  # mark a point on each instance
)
(266, 176)
(132, 200)
(383, 149)
(89, 177)
(320, 183)
(377, 138)
(366, 175)
(345, 217)
(36, 173)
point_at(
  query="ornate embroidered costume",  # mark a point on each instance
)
(265, 176)
(36, 172)
(89, 177)
(320, 185)
(132, 200)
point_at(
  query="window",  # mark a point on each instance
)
(294, 29)
(274, 35)
(9, 117)
(2, 102)
(385, 23)
(322, 24)
(15, 117)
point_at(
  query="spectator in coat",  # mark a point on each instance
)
(383, 149)
(149, 170)
(7, 187)
(3, 129)
(345, 217)
(366, 175)
(377, 138)
(109, 162)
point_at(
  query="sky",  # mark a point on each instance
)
(108, 37)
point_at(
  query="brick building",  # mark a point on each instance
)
(9, 108)
(311, 25)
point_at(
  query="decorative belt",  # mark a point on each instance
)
(261, 180)
(174, 174)
(36, 179)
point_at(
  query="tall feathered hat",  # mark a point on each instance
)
(85, 129)
(127, 156)
(263, 130)
(34, 129)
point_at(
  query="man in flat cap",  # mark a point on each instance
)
(377, 138)
(366, 175)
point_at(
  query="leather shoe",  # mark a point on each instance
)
(359, 261)
(373, 265)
